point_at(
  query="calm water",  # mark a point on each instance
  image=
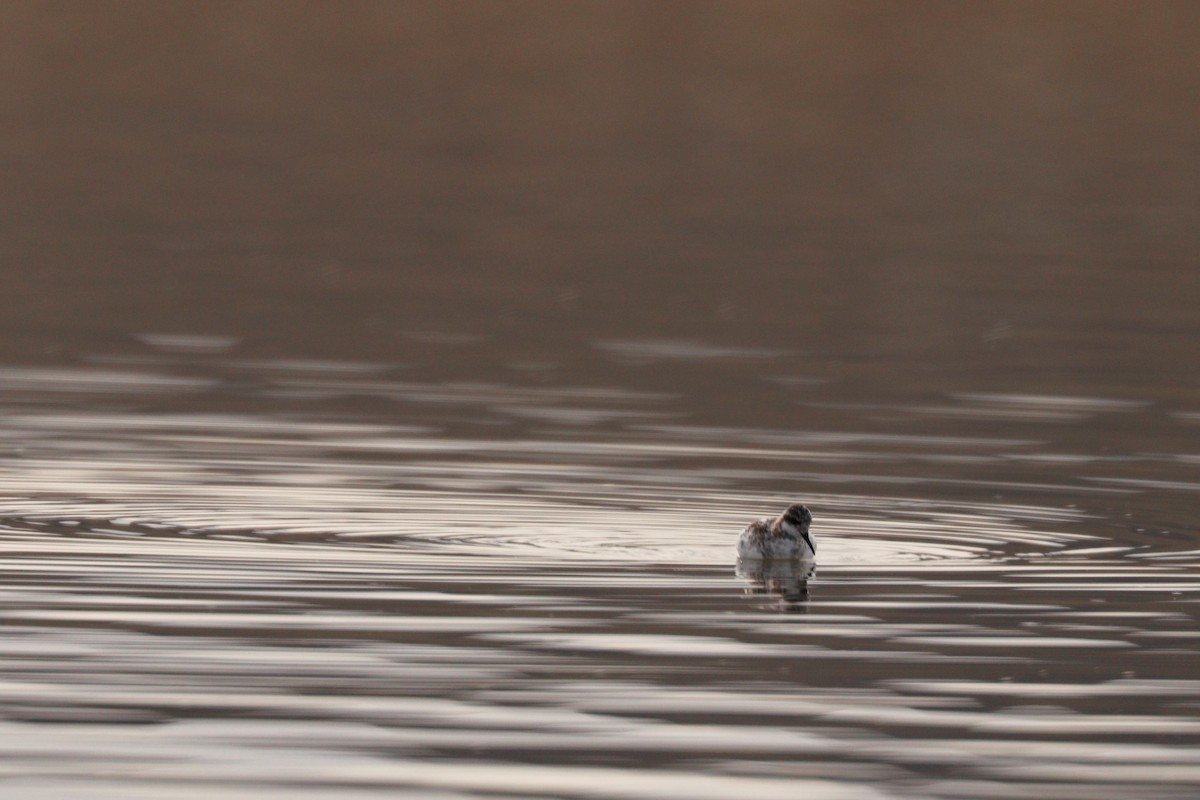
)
(381, 396)
(504, 588)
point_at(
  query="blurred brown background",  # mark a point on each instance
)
(1001, 195)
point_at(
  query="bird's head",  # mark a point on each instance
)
(795, 522)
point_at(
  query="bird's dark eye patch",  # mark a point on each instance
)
(798, 515)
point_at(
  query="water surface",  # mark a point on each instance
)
(383, 386)
(531, 590)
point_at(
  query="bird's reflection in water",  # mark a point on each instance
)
(787, 580)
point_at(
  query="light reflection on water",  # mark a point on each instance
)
(270, 601)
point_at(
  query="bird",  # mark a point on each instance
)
(784, 538)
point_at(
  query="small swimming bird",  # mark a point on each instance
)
(785, 537)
